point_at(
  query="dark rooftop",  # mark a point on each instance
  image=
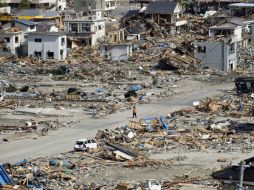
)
(162, 7)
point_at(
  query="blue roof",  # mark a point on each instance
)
(4, 177)
(25, 22)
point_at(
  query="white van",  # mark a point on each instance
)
(84, 144)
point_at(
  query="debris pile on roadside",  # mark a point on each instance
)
(210, 125)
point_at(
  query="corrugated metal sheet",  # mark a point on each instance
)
(4, 177)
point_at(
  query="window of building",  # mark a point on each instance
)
(61, 54)
(201, 49)
(37, 54)
(100, 27)
(50, 55)
(85, 27)
(5, 49)
(232, 48)
(6, 39)
(74, 27)
(62, 41)
(37, 40)
(16, 39)
(113, 3)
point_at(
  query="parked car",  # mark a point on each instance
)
(84, 144)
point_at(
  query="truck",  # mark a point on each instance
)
(84, 144)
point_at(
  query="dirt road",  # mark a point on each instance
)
(63, 139)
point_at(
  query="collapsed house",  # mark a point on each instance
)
(168, 15)
(114, 33)
(239, 30)
(215, 17)
(247, 31)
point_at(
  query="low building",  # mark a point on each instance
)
(167, 14)
(117, 52)
(241, 9)
(247, 30)
(12, 41)
(238, 29)
(88, 30)
(217, 54)
(48, 45)
(230, 176)
(25, 25)
(228, 29)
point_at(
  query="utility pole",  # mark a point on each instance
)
(241, 175)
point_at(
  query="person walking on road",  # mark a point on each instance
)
(134, 111)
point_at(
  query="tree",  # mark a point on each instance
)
(24, 4)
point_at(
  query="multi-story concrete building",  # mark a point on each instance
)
(48, 45)
(88, 29)
(12, 40)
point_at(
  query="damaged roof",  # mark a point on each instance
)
(162, 7)
(227, 25)
(131, 13)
